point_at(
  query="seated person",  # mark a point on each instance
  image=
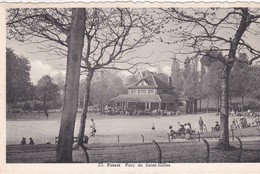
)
(31, 142)
(23, 142)
(217, 127)
(181, 130)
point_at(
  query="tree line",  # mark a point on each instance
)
(200, 79)
(48, 93)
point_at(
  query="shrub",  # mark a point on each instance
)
(27, 107)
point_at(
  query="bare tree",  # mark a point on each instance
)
(111, 36)
(201, 31)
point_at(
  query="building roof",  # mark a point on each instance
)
(151, 81)
(155, 98)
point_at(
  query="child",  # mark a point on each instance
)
(153, 127)
(171, 132)
(205, 129)
(93, 128)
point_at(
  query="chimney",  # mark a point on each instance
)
(170, 81)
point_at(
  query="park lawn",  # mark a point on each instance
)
(181, 152)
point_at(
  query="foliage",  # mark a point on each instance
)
(176, 75)
(191, 80)
(47, 91)
(248, 75)
(211, 78)
(107, 86)
(19, 87)
(27, 107)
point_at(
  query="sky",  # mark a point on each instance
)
(43, 63)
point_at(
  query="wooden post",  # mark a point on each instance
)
(240, 149)
(118, 139)
(232, 132)
(159, 151)
(143, 138)
(208, 150)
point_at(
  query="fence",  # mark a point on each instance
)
(157, 152)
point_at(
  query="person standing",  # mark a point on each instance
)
(187, 131)
(153, 127)
(201, 123)
(93, 128)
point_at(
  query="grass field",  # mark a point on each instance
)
(128, 128)
(104, 147)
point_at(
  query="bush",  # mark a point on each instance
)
(37, 106)
(27, 107)
(252, 105)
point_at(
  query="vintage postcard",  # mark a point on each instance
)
(130, 87)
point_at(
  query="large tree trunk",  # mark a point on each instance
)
(85, 108)
(75, 46)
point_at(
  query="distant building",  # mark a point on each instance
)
(148, 93)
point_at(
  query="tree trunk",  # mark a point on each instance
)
(193, 106)
(208, 104)
(224, 138)
(200, 104)
(75, 46)
(85, 108)
(242, 99)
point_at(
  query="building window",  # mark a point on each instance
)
(150, 91)
(141, 91)
(133, 91)
(180, 104)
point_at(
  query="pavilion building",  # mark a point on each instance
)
(149, 93)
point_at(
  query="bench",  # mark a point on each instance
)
(180, 135)
(75, 139)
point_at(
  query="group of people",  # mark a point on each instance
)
(241, 121)
(185, 129)
(23, 141)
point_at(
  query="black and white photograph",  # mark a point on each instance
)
(132, 86)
